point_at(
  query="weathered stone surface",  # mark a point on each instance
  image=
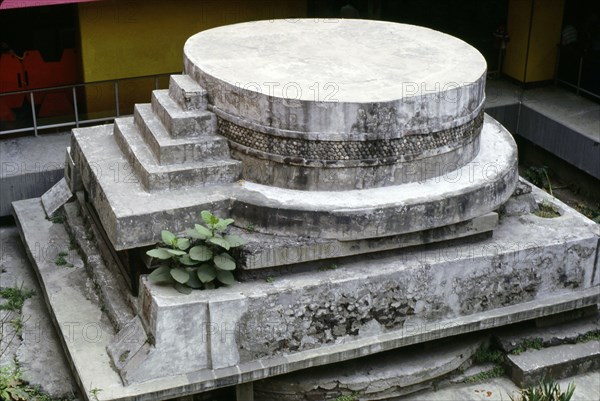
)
(94, 367)
(264, 251)
(179, 122)
(570, 332)
(130, 215)
(415, 78)
(384, 119)
(169, 150)
(187, 93)
(473, 190)
(155, 176)
(377, 377)
(56, 196)
(365, 297)
(530, 367)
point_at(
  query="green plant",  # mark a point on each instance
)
(57, 219)
(11, 386)
(350, 397)
(94, 393)
(537, 175)
(496, 371)
(332, 266)
(250, 227)
(546, 210)
(528, 343)
(545, 391)
(591, 336)
(485, 355)
(270, 279)
(200, 261)
(15, 298)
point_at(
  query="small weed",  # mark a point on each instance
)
(590, 213)
(13, 388)
(58, 219)
(250, 227)
(123, 357)
(538, 176)
(496, 371)
(529, 343)
(94, 393)
(350, 397)
(332, 266)
(488, 355)
(591, 336)
(547, 210)
(270, 279)
(60, 260)
(545, 391)
(15, 298)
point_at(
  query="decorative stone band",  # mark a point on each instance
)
(297, 163)
(321, 153)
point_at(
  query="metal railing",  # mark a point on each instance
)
(577, 83)
(78, 119)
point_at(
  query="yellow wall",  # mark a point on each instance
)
(539, 63)
(545, 36)
(128, 38)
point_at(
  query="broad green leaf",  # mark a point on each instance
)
(167, 237)
(222, 242)
(206, 273)
(223, 223)
(224, 262)
(225, 277)
(194, 234)
(203, 231)
(201, 253)
(187, 261)
(183, 243)
(176, 252)
(159, 253)
(161, 275)
(182, 288)
(180, 275)
(194, 281)
(209, 218)
(235, 240)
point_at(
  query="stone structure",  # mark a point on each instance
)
(336, 141)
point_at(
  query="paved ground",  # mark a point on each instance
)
(36, 348)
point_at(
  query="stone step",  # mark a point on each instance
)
(123, 204)
(530, 367)
(169, 150)
(156, 177)
(384, 376)
(179, 122)
(515, 340)
(187, 92)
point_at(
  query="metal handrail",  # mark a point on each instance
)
(76, 123)
(576, 86)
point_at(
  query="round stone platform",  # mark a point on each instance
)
(477, 188)
(367, 101)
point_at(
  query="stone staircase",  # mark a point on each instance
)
(172, 142)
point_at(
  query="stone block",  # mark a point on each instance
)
(182, 123)
(169, 150)
(531, 367)
(187, 93)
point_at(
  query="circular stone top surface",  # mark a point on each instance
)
(362, 61)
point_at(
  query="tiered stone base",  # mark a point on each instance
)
(532, 267)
